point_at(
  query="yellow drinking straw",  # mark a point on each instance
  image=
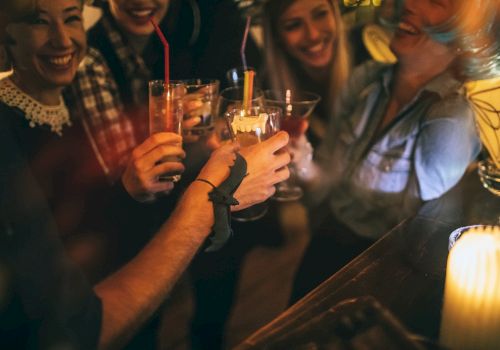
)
(248, 90)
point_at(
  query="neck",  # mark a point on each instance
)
(46, 96)
(411, 76)
(318, 75)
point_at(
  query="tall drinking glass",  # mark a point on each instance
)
(200, 100)
(165, 114)
(297, 107)
(249, 128)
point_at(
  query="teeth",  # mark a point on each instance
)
(141, 13)
(407, 28)
(61, 60)
(316, 48)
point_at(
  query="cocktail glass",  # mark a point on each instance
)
(297, 107)
(250, 127)
(165, 114)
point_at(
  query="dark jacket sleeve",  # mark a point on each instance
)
(45, 302)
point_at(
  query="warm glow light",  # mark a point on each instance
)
(471, 311)
(485, 98)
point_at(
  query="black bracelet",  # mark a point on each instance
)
(222, 198)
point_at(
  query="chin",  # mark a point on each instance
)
(141, 30)
(319, 65)
(60, 81)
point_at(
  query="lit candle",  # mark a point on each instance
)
(471, 310)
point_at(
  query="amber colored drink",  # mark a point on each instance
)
(247, 138)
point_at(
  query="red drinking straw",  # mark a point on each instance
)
(169, 122)
(244, 44)
(166, 49)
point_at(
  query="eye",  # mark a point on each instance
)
(320, 14)
(36, 20)
(291, 25)
(72, 19)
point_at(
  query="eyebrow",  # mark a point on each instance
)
(66, 10)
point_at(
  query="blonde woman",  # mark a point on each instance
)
(306, 49)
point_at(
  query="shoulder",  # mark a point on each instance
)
(93, 70)
(93, 59)
(364, 76)
(369, 71)
(453, 107)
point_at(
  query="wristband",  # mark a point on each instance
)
(222, 198)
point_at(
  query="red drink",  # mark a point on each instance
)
(293, 126)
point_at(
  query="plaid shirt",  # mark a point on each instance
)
(136, 71)
(94, 95)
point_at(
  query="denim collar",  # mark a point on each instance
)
(444, 84)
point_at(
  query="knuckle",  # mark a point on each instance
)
(135, 154)
(156, 138)
(136, 164)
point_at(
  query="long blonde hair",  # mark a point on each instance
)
(279, 64)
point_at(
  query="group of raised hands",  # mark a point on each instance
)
(266, 166)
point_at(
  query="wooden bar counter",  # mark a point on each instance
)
(404, 270)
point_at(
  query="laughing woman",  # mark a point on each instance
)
(400, 135)
(45, 48)
(307, 49)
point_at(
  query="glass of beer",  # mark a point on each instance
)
(165, 114)
(250, 127)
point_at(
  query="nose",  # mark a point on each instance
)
(59, 36)
(312, 32)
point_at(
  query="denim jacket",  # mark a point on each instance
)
(370, 183)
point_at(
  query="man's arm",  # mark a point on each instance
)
(131, 295)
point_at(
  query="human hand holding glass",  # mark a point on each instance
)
(297, 107)
(250, 127)
(200, 104)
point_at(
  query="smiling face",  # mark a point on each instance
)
(48, 45)
(410, 38)
(133, 15)
(307, 31)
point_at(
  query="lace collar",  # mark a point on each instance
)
(35, 112)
